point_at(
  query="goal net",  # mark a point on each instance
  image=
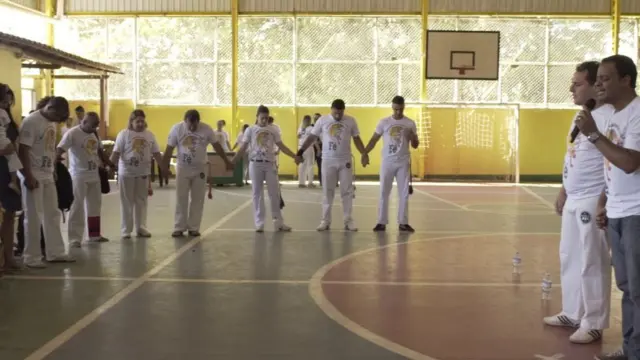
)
(466, 142)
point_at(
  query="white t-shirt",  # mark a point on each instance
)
(13, 161)
(223, 139)
(582, 175)
(336, 136)
(82, 148)
(261, 141)
(623, 189)
(136, 150)
(303, 134)
(191, 147)
(40, 135)
(395, 146)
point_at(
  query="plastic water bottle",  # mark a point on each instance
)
(517, 262)
(546, 287)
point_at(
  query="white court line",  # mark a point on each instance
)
(281, 281)
(64, 278)
(74, 329)
(317, 294)
(440, 199)
(460, 232)
(542, 200)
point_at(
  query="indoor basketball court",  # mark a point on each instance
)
(234, 293)
(487, 84)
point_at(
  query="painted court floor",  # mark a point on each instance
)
(446, 292)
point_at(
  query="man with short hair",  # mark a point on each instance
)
(336, 131)
(192, 138)
(37, 152)
(584, 253)
(83, 146)
(222, 135)
(620, 146)
(397, 132)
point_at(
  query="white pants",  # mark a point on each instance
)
(189, 213)
(134, 195)
(400, 170)
(245, 167)
(41, 209)
(305, 169)
(332, 172)
(265, 172)
(585, 265)
(85, 210)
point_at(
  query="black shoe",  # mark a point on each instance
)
(194, 233)
(406, 228)
(380, 227)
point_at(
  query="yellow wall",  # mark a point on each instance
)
(542, 135)
(11, 74)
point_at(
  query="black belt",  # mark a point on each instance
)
(260, 161)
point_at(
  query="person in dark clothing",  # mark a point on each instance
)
(9, 199)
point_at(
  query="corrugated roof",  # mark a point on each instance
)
(47, 54)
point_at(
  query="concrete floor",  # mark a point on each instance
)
(443, 293)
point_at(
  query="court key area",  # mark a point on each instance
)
(445, 292)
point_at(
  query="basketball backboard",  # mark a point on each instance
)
(464, 55)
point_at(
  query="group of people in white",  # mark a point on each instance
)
(600, 206)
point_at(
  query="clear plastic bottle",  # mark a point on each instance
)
(517, 263)
(546, 287)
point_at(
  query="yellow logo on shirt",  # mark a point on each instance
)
(190, 142)
(138, 145)
(91, 145)
(336, 132)
(50, 139)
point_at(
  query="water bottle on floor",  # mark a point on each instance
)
(517, 262)
(546, 287)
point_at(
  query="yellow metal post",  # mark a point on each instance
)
(50, 11)
(234, 65)
(615, 27)
(422, 154)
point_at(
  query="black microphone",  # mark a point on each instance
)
(574, 133)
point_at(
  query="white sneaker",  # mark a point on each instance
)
(260, 229)
(75, 244)
(561, 320)
(585, 336)
(283, 228)
(324, 226)
(36, 264)
(61, 259)
(143, 233)
(350, 226)
(616, 355)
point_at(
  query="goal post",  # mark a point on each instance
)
(466, 142)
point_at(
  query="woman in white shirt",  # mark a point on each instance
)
(260, 139)
(133, 150)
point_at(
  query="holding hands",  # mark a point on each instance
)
(298, 159)
(365, 160)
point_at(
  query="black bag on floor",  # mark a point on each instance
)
(20, 237)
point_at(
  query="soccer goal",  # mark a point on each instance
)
(466, 142)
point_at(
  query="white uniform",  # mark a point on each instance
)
(262, 168)
(41, 203)
(12, 160)
(396, 163)
(623, 189)
(191, 177)
(223, 139)
(82, 149)
(585, 262)
(336, 162)
(305, 169)
(136, 150)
